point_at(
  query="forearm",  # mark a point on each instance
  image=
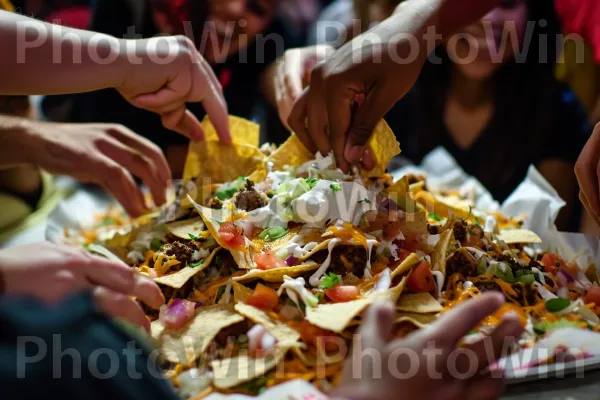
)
(15, 138)
(40, 58)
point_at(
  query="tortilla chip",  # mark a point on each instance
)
(276, 275)
(292, 152)
(517, 236)
(419, 320)
(221, 162)
(400, 194)
(183, 229)
(242, 131)
(179, 278)
(231, 372)
(186, 344)
(419, 303)
(441, 205)
(336, 316)
(405, 266)
(416, 187)
(213, 219)
(240, 292)
(414, 223)
(384, 147)
(392, 294)
(438, 258)
(282, 332)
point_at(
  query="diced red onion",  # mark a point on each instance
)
(565, 277)
(267, 342)
(247, 226)
(177, 314)
(563, 292)
(544, 293)
(291, 260)
(583, 280)
(476, 252)
(255, 335)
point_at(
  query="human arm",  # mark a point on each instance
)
(105, 154)
(157, 74)
(559, 173)
(382, 64)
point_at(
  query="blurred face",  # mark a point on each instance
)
(236, 24)
(480, 56)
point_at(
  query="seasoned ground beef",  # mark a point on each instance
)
(434, 229)
(526, 294)
(233, 331)
(249, 199)
(488, 286)
(181, 251)
(461, 262)
(345, 259)
(460, 230)
(215, 203)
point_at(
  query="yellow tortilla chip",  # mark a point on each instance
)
(392, 294)
(242, 131)
(406, 265)
(419, 303)
(384, 147)
(184, 345)
(400, 194)
(336, 316)
(240, 292)
(441, 205)
(292, 152)
(221, 162)
(282, 332)
(276, 274)
(179, 278)
(416, 187)
(438, 258)
(183, 229)
(231, 372)
(517, 236)
(419, 320)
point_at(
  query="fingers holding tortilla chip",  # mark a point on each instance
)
(242, 131)
(383, 146)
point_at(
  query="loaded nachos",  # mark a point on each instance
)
(269, 256)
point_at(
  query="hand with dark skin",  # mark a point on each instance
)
(431, 374)
(587, 170)
(381, 65)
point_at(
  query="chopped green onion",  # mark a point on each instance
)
(506, 276)
(273, 233)
(197, 264)
(217, 260)
(365, 201)
(547, 326)
(193, 237)
(555, 305)
(312, 182)
(527, 279)
(434, 216)
(330, 280)
(335, 187)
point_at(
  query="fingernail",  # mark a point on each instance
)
(354, 153)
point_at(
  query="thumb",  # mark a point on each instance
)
(375, 105)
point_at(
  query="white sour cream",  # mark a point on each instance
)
(315, 279)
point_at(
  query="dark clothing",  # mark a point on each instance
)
(73, 352)
(239, 75)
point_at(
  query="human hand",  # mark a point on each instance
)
(49, 272)
(587, 170)
(104, 154)
(165, 87)
(294, 68)
(423, 358)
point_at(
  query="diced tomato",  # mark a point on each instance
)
(402, 255)
(571, 269)
(342, 293)
(475, 234)
(229, 234)
(263, 297)
(320, 338)
(552, 262)
(421, 279)
(592, 295)
(266, 261)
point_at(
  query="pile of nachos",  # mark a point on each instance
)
(269, 256)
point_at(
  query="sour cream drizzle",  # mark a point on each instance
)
(370, 243)
(315, 279)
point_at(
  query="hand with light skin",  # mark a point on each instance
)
(359, 383)
(160, 74)
(381, 71)
(587, 170)
(49, 272)
(293, 67)
(104, 154)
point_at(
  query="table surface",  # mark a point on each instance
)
(583, 387)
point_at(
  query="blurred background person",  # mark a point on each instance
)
(492, 101)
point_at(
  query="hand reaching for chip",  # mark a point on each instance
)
(419, 366)
(587, 170)
(50, 272)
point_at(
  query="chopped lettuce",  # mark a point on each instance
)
(547, 326)
(525, 276)
(197, 264)
(156, 244)
(228, 190)
(335, 187)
